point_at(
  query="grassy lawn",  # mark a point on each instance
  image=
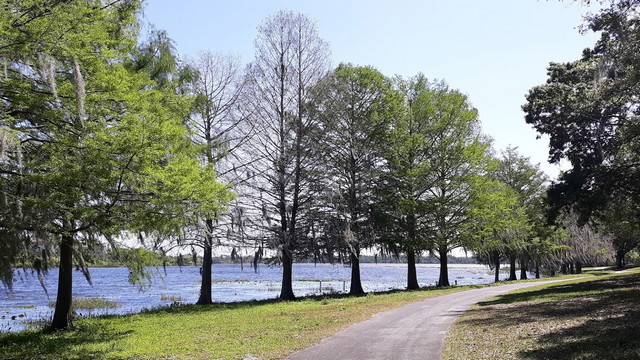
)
(584, 319)
(263, 330)
(592, 318)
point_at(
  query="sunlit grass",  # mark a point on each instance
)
(262, 329)
(595, 317)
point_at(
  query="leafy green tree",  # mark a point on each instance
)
(499, 225)
(510, 221)
(620, 221)
(546, 251)
(354, 107)
(581, 128)
(16, 252)
(519, 174)
(214, 83)
(545, 245)
(140, 261)
(103, 149)
(404, 191)
(435, 154)
(588, 108)
(528, 184)
(458, 157)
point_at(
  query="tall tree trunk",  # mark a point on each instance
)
(523, 268)
(205, 286)
(571, 269)
(62, 314)
(412, 276)
(444, 269)
(619, 259)
(512, 268)
(286, 292)
(578, 267)
(537, 270)
(356, 284)
(496, 266)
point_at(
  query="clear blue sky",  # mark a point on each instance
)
(492, 50)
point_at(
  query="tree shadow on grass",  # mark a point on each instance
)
(599, 325)
(612, 338)
(565, 289)
(79, 343)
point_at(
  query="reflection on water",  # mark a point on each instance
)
(29, 302)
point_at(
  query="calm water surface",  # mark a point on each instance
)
(27, 301)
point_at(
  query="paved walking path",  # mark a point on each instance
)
(414, 331)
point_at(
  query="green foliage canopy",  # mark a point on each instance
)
(103, 147)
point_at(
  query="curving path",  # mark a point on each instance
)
(414, 331)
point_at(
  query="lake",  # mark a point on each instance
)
(28, 302)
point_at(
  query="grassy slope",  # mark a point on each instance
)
(264, 330)
(592, 318)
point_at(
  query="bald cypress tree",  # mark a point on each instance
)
(290, 59)
(354, 107)
(103, 147)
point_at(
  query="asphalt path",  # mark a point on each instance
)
(414, 331)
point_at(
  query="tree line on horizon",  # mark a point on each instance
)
(108, 137)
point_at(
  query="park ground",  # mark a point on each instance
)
(594, 317)
(597, 317)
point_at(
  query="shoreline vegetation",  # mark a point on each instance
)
(227, 331)
(248, 261)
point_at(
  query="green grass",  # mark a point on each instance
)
(262, 329)
(596, 317)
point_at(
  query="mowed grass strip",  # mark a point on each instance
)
(251, 330)
(592, 318)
